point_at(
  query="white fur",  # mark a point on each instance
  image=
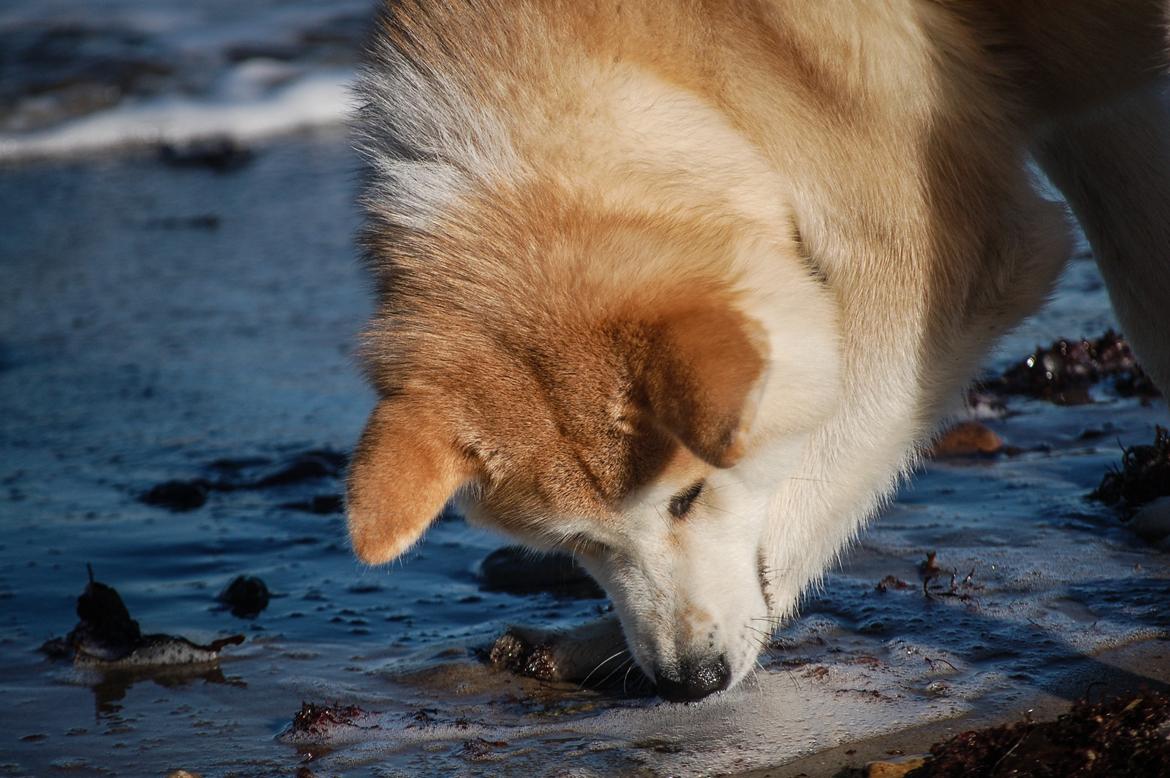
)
(912, 201)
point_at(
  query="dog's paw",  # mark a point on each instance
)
(529, 653)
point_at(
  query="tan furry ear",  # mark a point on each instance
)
(700, 375)
(402, 474)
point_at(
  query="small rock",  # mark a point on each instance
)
(322, 504)
(178, 495)
(894, 768)
(306, 467)
(246, 595)
(222, 155)
(967, 438)
(516, 570)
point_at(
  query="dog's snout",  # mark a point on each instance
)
(694, 680)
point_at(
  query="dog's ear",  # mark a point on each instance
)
(701, 378)
(402, 474)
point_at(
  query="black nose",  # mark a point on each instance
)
(694, 681)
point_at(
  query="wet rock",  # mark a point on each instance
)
(516, 570)
(222, 155)
(232, 475)
(178, 495)
(246, 596)
(106, 636)
(105, 629)
(517, 652)
(1063, 372)
(966, 439)
(322, 504)
(894, 768)
(308, 466)
(1144, 476)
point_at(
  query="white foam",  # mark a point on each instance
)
(239, 110)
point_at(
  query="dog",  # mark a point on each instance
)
(683, 287)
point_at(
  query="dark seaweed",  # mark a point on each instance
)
(1064, 371)
(1126, 736)
(313, 719)
(1144, 475)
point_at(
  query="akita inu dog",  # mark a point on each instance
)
(682, 287)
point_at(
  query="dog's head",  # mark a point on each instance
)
(628, 393)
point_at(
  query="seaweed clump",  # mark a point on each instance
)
(1063, 372)
(314, 719)
(1126, 736)
(1143, 477)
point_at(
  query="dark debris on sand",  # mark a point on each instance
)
(222, 155)
(1122, 737)
(106, 635)
(516, 570)
(1144, 476)
(232, 475)
(245, 596)
(1064, 371)
(317, 720)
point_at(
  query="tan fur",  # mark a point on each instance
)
(624, 246)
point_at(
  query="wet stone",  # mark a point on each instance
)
(178, 495)
(967, 439)
(246, 596)
(308, 466)
(516, 570)
(321, 504)
(221, 155)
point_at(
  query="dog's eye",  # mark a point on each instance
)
(681, 503)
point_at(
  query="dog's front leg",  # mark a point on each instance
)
(594, 654)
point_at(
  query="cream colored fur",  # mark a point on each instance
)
(864, 165)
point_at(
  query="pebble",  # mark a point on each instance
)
(967, 438)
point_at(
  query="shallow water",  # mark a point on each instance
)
(154, 321)
(79, 76)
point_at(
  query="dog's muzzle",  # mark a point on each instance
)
(694, 680)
